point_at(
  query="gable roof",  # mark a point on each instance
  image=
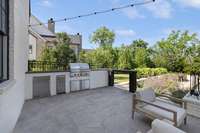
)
(44, 33)
(35, 34)
(40, 29)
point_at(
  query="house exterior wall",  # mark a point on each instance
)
(39, 44)
(33, 43)
(12, 91)
(75, 48)
(39, 47)
(98, 79)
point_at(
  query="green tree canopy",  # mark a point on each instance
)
(103, 37)
(141, 53)
(139, 44)
(61, 53)
(179, 52)
(99, 58)
(125, 60)
(62, 38)
(172, 52)
(47, 55)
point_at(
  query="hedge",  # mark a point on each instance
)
(146, 72)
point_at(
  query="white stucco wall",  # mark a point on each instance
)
(97, 79)
(12, 91)
(33, 42)
(53, 75)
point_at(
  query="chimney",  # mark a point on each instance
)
(51, 25)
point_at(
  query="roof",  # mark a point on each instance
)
(40, 29)
(43, 32)
(75, 39)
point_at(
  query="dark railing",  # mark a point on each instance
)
(44, 66)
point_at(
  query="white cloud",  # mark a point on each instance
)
(132, 13)
(46, 3)
(125, 33)
(160, 9)
(189, 3)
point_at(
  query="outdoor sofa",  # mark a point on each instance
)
(159, 126)
(159, 107)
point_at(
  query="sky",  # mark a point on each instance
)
(150, 22)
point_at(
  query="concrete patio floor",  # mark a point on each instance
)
(103, 110)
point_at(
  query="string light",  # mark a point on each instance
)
(97, 12)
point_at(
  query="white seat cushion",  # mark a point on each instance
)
(162, 114)
(159, 126)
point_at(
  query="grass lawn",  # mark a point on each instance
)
(120, 78)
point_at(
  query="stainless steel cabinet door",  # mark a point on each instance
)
(41, 87)
(60, 84)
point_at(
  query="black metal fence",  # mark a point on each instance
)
(44, 66)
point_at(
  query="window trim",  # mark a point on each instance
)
(8, 46)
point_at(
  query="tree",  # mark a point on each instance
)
(171, 53)
(141, 57)
(100, 57)
(64, 55)
(63, 38)
(193, 59)
(125, 60)
(61, 54)
(47, 55)
(139, 44)
(103, 37)
(141, 53)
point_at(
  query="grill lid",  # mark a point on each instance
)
(79, 67)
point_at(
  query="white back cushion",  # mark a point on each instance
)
(147, 95)
(159, 126)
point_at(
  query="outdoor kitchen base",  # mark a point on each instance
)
(193, 105)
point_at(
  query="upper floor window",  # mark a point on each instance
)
(4, 40)
(30, 49)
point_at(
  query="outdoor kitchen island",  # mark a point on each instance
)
(39, 85)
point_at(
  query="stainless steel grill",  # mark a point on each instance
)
(79, 76)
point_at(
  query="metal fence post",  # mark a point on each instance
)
(133, 81)
(111, 77)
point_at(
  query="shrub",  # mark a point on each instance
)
(164, 84)
(146, 72)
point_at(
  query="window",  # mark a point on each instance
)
(30, 49)
(4, 40)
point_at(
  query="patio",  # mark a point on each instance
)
(103, 110)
